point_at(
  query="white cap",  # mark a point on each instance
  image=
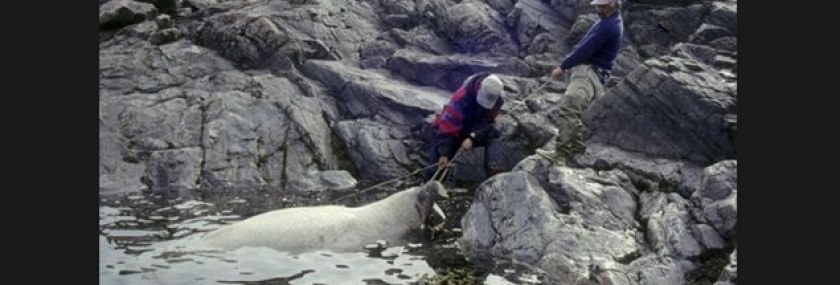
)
(602, 2)
(489, 91)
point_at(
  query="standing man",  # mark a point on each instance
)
(589, 63)
(467, 122)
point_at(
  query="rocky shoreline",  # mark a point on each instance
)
(314, 95)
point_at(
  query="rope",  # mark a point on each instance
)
(446, 167)
(533, 93)
(443, 170)
(551, 159)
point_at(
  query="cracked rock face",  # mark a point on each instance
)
(670, 107)
(181, 95)
(570, 221)
(716, 201)
(580, 225)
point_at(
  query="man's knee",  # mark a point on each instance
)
(492, 157)
(492, 168)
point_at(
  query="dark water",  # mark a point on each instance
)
(143, 238)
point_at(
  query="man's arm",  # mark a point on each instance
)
(442, 146)
(585, 48)
(484, 129)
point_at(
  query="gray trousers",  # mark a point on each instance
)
(584, 86)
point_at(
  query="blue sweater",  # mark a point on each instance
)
(600, 44)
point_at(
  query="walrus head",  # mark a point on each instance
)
(426, 198)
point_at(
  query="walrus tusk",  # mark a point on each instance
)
(438, 211)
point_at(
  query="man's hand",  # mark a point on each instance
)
(556, 73)
(467, 144)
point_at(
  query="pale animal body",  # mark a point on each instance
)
(331, 227)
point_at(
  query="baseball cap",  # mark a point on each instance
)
(489, 91)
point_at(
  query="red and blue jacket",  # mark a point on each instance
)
(463, 116)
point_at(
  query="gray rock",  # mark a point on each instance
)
(368, 94)
(231, 143)
(514, 217)
(729, 275)
(569, 10)
(119, 13)
(580, 27)
(700, 53)
(708, 237)
(536, 128)
(164, 22)
(165, 6)
(249, 136)
(142, 30)
(669, 231)
(716, 201)
(250, 41)
(654, 31)
(380, 152)
(604, 199)
(305, 113)
(165, 36)
(708, 32)
(245, 147)
(654, 270)
(449, 72)
(421, 38)
(648, 172)
(376, 54)
(724, 14)
(511, 217)
(168, 120)
(670, 107)
(398, 7)
(331, 30)
(143, 107)
(400, 21)
(200, 4)
(116, 174)
(503, 6)
(322, 181)
(719, 180)
(475, 27)
(628, 60)
(672, 230)
(726, 62)
(131, 65)
(662, 3)
(652, 202)
(176, 169)
(533, 18)
(727, 44)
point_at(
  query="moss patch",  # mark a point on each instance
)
(340, 152)
(711, 263)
